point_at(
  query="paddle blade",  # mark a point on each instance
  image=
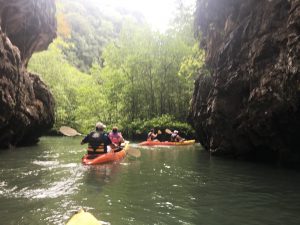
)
(168, 131)
(159, 131)
(134, 152)
(68, 131)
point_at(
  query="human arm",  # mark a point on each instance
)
(108, 142)
(85, 139)
(122, 140)
(180, 139)
(154, 135)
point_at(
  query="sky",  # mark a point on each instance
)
(158, 13)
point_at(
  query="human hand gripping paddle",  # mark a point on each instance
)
(70, 132)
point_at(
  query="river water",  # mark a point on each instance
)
(46, 184)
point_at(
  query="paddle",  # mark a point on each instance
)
(168, 131)
(68, 131)
(134, 152)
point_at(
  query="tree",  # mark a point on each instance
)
(133, 77)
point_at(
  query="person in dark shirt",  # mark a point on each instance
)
(98, 141)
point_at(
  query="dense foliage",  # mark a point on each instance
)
(138, 129)
(139, 79)
(88, 25)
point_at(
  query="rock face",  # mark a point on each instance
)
(249, 107)
(26, 105)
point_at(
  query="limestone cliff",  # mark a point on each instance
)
(26, 105)
(250, 106)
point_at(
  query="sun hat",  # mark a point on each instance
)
(100, 125)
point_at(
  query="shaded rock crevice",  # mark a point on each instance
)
(26, 104)
(252, 50)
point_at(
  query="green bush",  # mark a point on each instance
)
(138, 129)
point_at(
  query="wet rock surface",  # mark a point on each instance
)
(26, 104)
(250, 107)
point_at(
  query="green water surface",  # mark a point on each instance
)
(47, 183)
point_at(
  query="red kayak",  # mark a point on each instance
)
(89, 159)
(167, 143)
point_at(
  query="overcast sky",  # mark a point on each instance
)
(157, 12)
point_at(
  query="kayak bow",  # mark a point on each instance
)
(83, 218)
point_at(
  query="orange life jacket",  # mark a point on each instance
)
(99, 149)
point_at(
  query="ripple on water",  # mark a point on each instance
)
(48, 155)
(167, 205)
(64, 186)
(57, 189)
(45, 163)
(5, 190)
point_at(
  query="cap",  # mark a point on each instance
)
(175, 131)
(100, 125)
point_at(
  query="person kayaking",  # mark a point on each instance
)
(175, 137)
(116, 137)
(98, 141)
(152, 136)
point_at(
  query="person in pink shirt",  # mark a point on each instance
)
(116, 137)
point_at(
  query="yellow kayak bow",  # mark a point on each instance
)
(83, 218)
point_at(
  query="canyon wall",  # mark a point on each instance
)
(248, 106)
(26, 104)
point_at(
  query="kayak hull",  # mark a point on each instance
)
(105, 158)
(83, 218)
(167, 143)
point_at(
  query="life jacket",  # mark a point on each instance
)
(96, 144)
(99, 150)
(115, 137)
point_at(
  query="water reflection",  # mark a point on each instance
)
(65, 183)
(101, 174)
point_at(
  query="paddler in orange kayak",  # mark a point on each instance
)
(116, 137)
(175, 137)
(98, 141)
(152, 136)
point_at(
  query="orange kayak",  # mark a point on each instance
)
(167, 143)
(88, 159)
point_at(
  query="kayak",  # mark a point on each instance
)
(167, 143)
(89, 159)
(83, 218)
